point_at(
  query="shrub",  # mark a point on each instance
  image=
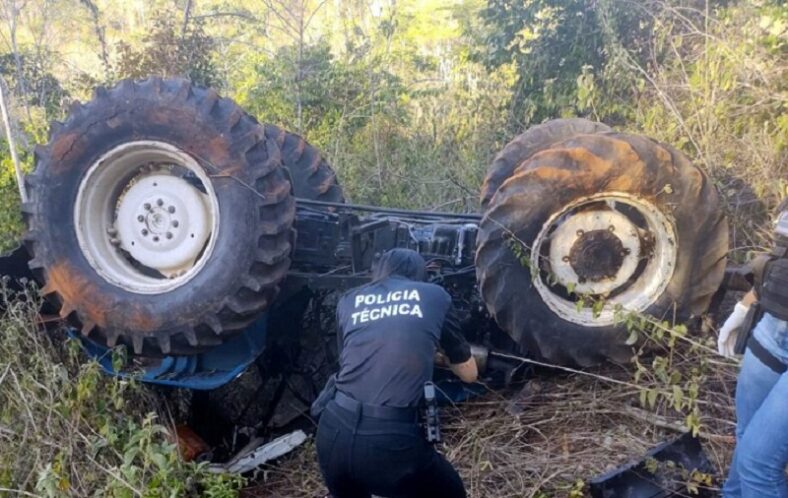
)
(66, 429)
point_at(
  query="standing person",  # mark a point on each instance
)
(761, 455)
(369, 440)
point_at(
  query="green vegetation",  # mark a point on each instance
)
(410, 101)
(68, 430)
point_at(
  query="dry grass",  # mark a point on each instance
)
(570, 427)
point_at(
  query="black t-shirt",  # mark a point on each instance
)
(389, 332)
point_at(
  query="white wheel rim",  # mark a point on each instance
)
(636, 240)
(142, 221)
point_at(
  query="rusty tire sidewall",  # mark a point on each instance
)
(104, 124)
(534, 140)
(554, 179)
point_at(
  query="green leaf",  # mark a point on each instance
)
(652, 464)
(130, 455)
(678, 397)
(693, 422)
(652, 398)
(597, 308)
(161, 461)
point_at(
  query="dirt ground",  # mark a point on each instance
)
(548, 438)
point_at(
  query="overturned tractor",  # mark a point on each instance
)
(165, 218)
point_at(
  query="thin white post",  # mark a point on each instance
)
(20, 177)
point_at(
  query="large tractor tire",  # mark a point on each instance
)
(525, 145)
(311, 175)
(608, 218)
(160, 216)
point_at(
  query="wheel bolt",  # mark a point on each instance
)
(155, 238)
(145, 232)
(159, 202)
(169, 235)
(565, 259)
(611, 228)
(146, 206)
(140, 218)
(175, 223)
(114, 242)
(580, 233)
(112, 231)
(627, 251)
(171, 209)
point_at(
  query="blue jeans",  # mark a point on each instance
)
(758, 466)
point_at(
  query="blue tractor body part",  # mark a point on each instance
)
(222, 364)
(203, 372)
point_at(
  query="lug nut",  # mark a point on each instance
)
(112, 231)
(565, 259)
(580, 233)
(146, 206)
(169, 235)
(145, 232)
(611, 228)
(159, 202)
(155, 238)
(140, 218)
(171, 209)
(175, 223)
(114, 242)
(627, 251)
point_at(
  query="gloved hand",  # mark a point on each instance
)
(726, 342)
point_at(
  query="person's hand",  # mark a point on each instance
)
(726, 342)
(441, 360)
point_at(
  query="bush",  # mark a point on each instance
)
(716, 88)
(66, 429)
(10, 217)
(722, 99)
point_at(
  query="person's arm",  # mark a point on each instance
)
(467, 371)
(457, 349)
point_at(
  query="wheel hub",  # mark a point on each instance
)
(157, 221)
(613, 246)
(594, 252)
(162, 221)
(145, 216)
(597, 255)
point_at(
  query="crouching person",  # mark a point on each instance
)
(758, 466)
(369, 439)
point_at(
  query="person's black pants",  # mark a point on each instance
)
(360, 456)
